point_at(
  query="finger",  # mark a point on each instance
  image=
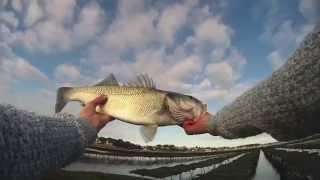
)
(99, 100)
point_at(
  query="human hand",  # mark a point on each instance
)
(89, 113)
(200, 125)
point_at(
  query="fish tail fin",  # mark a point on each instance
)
(61, 98)
(148, 132)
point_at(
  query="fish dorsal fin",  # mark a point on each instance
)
(142, 80)
(109, 80)
(148, 132)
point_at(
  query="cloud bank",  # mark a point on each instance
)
(186, 46)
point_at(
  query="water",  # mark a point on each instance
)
(265, 170)
(125, 165)
(200, 171)
(252, 165)
(309, 151)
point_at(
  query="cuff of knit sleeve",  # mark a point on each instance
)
(211, 126)
(87, 131)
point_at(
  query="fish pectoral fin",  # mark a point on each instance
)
(109, 80)
(148, 132)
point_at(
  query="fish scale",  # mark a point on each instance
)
(139, 103)
(130, 106)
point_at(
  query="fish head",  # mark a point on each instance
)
(184, 107)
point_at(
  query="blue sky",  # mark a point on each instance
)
(213, 50)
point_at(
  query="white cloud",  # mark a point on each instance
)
(283, 34)
(60, 11)
(50, 34)
(213, 30)
(225, 67)
(24, 70)
(66, 72)
(135, 28)
(310, 9)
(151, 62)
(139, 38)
(17, 5)
(171, 20)
(47, 37)
(9, 18)
(3, 3)
(237, 90)
(283, 38)
(210, 95)
(178, 70)
(303, 32)
(17, 68)
(276, 59)
(51, 27)
(218, 53)
(71, 75)
(90, 23)
(33, 14)
(14, 68)
(134, 31)
(179, 76)
(127, 8)
(169, 72)
(185, 69)
(167, 75)
(6, 36)
(220, 74)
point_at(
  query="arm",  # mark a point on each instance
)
(30, 144)
(286, 105)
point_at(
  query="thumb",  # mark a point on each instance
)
(97, 101)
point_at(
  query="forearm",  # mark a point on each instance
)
(285, 105)
(31, 144)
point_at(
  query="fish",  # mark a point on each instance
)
(137, 102)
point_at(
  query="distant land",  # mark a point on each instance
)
(119, 147)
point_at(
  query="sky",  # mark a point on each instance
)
(212, 49)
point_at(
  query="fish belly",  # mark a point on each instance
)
(141, 109)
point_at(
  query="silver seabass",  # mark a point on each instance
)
(138, 102)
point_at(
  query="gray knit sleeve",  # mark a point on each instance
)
(31, 144)
(286, 105)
